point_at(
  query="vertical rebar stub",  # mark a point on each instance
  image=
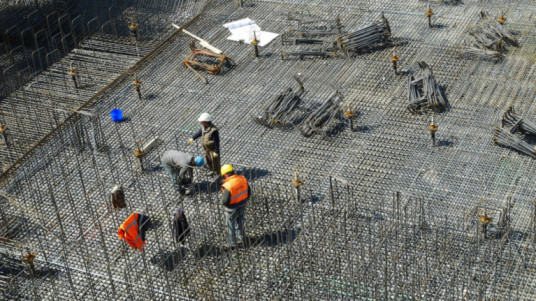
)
(394, 61)
(429, 13)
(139, 154)
(255, 44)
(29, 260)
(433, 129)
(137, 87)
(133, 28)
(3, 133)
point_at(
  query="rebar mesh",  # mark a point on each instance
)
(381, 214)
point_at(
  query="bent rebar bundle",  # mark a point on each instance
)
(514, 122)
(488, 39)
(366, 37)
(319, 119)
(510, 140)
(207, 60)
(424, 93)
(277, 112)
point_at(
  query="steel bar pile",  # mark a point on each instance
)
(488, 39)
(318, 120)
(424, 93)
(278, 111)
(207, 60)
(507, 139)
(311, 31)
(367, 37)
(514, 122)
(312, 26)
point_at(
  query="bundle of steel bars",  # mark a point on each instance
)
(507, 139)
(277, 112)
(488, 38)
(318, 119)
(514, 122)
(423, 92)
(367, 37)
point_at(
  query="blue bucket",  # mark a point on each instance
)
(117, 115)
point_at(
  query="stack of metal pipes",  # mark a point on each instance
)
(488, 39)
(514, 122)
(424, 93)
(366, 37)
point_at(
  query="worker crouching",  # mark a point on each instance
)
(180, 166)
(133, 230)
(210, 139)
(235, 193)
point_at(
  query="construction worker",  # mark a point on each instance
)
(235, 193)
(180, 166)
(210, 139)
(133, 230)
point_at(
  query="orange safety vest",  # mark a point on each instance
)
(129, 232)
(238, 187)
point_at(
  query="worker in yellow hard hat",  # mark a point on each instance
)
(235, 193)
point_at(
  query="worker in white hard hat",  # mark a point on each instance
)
(210, 139)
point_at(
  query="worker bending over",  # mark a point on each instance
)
(235, 193)
(180, 166)
(210, 139)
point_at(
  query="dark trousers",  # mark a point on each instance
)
(180, 184)
(236, 218)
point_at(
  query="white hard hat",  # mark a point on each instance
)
(205, 117)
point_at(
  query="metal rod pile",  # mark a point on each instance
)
(424, 93)
(514, 122)
(366, 37)
(309, 25)
(318, 119)
(277, 112)
(507, 139)
(488, 39)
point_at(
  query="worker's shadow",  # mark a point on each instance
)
(276, 238)
(169, 260)
(254, 173)
(42, 273)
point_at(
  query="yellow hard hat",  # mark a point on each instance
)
(226, 168)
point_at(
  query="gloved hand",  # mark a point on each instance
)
(190, 141)
(215, 155)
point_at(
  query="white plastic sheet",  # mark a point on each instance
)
(246, 30)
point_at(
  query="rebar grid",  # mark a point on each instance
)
(342, 237)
